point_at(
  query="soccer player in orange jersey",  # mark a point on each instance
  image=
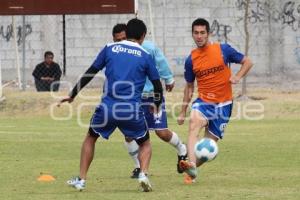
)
(208, 64)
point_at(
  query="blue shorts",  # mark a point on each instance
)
(217, 115)
(159, 122)
(128, 118)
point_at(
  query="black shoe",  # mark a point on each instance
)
(179, 169)
(135, 173)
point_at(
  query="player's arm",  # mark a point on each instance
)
(83, 81)
(164, 70)
(188, 89)
(90, 73)
(246, 66)
(158, 92)
(162, 65)
(187, 97)
(153, 76)
(233, 56)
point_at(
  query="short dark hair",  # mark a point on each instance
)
(136, 28)
(201, 22)
(48, 53)
(118, 28)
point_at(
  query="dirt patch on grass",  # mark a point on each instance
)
(275, 104)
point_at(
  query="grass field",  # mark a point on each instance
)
(257, 160)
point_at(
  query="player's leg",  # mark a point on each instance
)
(144, 157)
(197, 122)
(173, 139)
(132, 146)
(86, 157)
(133, 151)
(87, 153)
(136, 128)
(217, 123)
(88, 146)
(159, 123)
(207, 134)
(218, 116)
(145, 152)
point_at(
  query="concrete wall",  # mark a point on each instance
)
(274, 28)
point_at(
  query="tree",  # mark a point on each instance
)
(247, 41)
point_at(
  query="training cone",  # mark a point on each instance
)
(46, 178)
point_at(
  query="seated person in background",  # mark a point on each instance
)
(47, 74)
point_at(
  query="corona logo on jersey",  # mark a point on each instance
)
(119, 48)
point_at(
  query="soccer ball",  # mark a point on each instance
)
(206, 149)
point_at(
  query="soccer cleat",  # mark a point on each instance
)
(77, 183)
(135, 173)
(188, 168)
(180, 158)
(144, 183)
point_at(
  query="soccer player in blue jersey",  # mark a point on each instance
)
(157, 123)
(127, 65)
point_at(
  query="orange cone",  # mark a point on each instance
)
(46, 178)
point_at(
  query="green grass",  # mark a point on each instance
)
(257, 160)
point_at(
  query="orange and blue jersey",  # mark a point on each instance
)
(210, 67)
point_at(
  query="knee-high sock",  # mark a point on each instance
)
(177, 143)
(133, 151)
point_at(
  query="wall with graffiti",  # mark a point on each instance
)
(274, 34)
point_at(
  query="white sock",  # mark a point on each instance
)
(176, 142)
(142, 175)
(82, 181)
(133, 151)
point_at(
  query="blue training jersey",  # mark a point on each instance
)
(161, 65)
(127, 65)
